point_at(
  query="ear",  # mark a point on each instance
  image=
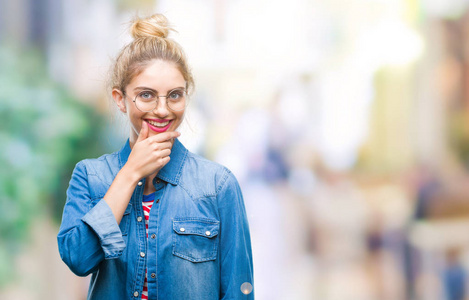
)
(118, 97)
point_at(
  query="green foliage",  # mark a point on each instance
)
(44, 132)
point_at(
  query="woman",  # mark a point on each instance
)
(153, 220)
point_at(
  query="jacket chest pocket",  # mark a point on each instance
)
(195, 239)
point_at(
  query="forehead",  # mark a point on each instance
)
(159, 75)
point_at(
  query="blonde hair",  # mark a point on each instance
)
(150, 42)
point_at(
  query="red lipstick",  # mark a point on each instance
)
(155, 124)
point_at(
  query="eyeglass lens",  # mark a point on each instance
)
(148, 100)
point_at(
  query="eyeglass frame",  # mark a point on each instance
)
(158, 98)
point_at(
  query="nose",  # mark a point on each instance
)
(161, 109)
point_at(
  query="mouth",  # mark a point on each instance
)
(159, 125)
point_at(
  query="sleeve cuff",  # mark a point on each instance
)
(101, 219)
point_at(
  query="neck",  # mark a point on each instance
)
(149, 188)
(132, 141)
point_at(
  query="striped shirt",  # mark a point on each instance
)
(147, 204)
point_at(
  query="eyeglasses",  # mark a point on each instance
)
(147, 100)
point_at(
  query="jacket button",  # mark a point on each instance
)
(139, 183)
(182, 229)
(207, 233)
(135, 294)
(246, 288)
(142, 254)
(139, 219)
(153, 236)
(153, 275)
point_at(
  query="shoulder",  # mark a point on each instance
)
(208, 167)
(104, 167)
(206, 176)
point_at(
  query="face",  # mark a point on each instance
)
(161, 77)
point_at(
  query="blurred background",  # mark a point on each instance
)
(346, 123)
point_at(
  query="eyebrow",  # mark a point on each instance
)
(144, 88)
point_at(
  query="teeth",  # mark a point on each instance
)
(157, 124)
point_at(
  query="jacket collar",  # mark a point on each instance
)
(172, 171)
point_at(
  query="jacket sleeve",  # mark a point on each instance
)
(236, 274)
(88, 234)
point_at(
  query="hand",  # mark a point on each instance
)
(150, 154)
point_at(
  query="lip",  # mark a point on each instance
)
(158, 129)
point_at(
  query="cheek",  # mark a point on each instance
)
(180, 118)
(135, 118)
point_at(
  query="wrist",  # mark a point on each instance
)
(129, 175)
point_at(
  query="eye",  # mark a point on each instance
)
(176, 95)
(146, 96)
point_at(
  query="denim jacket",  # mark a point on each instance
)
(198, 245)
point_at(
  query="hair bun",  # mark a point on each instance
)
(154, 26)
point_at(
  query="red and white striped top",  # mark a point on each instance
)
(147, 204)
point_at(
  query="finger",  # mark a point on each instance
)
(143, 132)
(161, 154)
(165, 160)
(162, 146)
(165, 153)
(165, 136)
